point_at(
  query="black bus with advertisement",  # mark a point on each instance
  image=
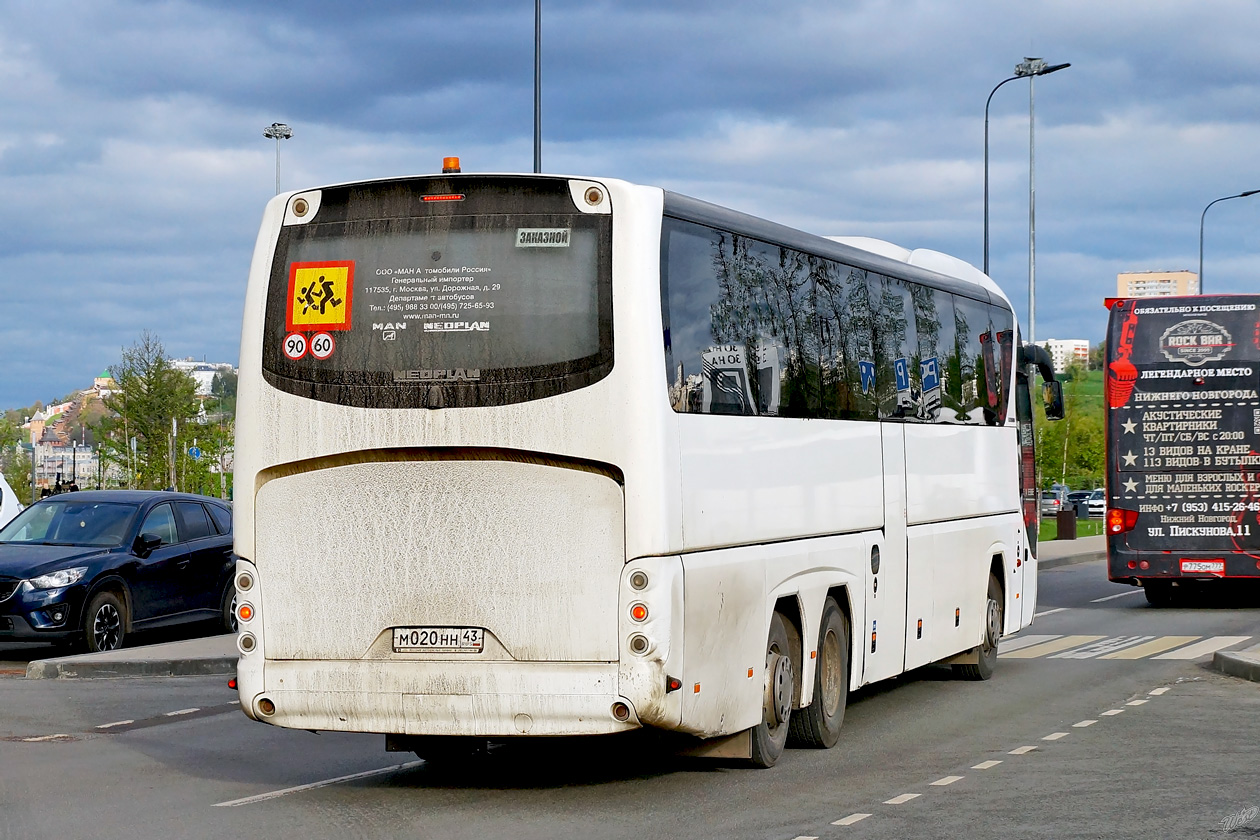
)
(1183, 442)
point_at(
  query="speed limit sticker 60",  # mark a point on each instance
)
(322, 345)
(295, 346)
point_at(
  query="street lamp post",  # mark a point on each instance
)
(1032, 67)
(1029, 68)
(537, 86)
(1203, 216)
(278, 132)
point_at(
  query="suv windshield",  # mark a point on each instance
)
(97, 524)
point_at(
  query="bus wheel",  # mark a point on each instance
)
(770, 736)
(987, 651)
(818, 725)
(1159, 593)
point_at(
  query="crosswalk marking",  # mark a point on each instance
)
(1055, 646)
(1159, 645)
(1008, 645)
(1203, 648)
(1105, 646)
(1115, 647)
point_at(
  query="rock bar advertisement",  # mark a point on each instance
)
(1183, 422)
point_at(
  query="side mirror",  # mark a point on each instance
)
(1052, 399)
(146, 544)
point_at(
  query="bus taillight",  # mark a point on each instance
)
(1120, 520)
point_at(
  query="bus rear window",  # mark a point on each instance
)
(385, 300)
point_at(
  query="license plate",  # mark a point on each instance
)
(439, 639)
(1210, 567)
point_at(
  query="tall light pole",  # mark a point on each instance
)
(278, 132)
(1203, 216)
(1032, 67)
(537, 86)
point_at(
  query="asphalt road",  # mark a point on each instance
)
(1171, 751)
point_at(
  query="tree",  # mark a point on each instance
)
(152, 405)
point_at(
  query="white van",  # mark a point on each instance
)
(9, 504)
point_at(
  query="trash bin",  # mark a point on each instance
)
(1066, 522)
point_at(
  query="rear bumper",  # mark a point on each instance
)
(1163, 566)
(490, 699)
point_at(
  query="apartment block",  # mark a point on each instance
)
(1156, 283)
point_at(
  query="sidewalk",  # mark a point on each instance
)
(1069, 552)
(211, 656)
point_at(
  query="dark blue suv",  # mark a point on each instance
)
(89, 567)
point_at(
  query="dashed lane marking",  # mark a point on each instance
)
(985, 765)
(1158, 645)
(48, 738)
(1158, 691)
(1021, 750)
(1204, 648)
(182, 712)
(902, 799)
(1054, 736)
(276, 794)
(948, 780)
(1136, 702)
(1111, 712)
(115, 723)
(1085, 723)
(851, 819)
(1064, 643)
(1050, 612)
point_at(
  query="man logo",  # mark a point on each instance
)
(388, 331)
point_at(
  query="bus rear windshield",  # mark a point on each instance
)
(500, 294)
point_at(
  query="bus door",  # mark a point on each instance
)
(1025, 565)
(884, 642)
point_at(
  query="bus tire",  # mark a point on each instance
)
(818, 724)
(770, 736)
(986, 652)
(1159, 593)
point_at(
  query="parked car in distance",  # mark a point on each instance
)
(88, 568)
(1098, 504)
(1052, 502)
(1079, 500)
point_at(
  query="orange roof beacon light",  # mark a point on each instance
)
(450, 165)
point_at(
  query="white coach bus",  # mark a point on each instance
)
(524, 455)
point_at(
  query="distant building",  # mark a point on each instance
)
(1156, 283)
(1066, 351)
(203, 372)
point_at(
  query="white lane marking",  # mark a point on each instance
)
(1105, 646)
(1050, 612)
(1085, 723)
(1111, 712)
(948, 780)
(902, 799)
(182, 712)
(263, 797)
(1114, 597)
(1135, 702)
(1158, 691)
(1203, 648)
(985, 765)
(1054, 736)
(1150, 648)
(806, 837)
(851, 819)
(115, 723)
(1007, 645)
(1021, 750)
(45, 738)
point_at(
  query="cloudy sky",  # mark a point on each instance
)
(133, 170)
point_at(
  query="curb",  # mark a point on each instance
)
(68, 669)
(1070, 559)
(1244, 664)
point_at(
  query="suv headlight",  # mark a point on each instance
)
(58, 579)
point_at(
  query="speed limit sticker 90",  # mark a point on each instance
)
(322, 345)
(295, 346)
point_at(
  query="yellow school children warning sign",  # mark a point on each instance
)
(319, 295)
